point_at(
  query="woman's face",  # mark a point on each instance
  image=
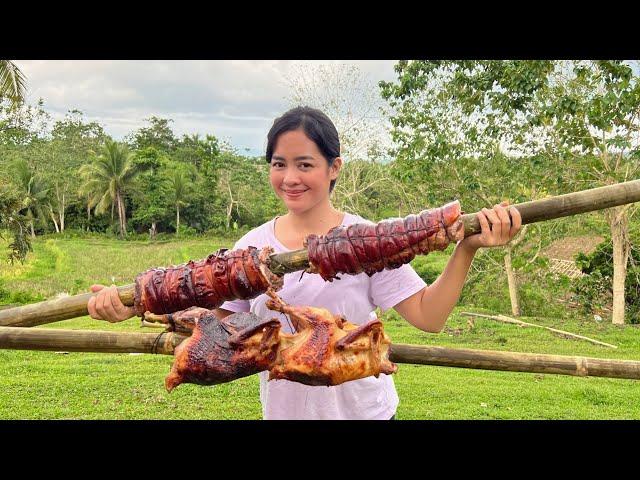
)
(299, 173)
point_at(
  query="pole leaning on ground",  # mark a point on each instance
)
(22, 338)
(534, 211)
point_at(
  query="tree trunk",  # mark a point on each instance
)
(229, 211)
(177, 220)
(53, 218)
(61, 214)
(88, 215)
(619, 225)
(121, 214)
(511, 280)
(152, 231)
(33, 233)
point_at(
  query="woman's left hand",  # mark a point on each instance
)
(498, 227)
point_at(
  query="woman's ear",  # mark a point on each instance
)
(334, 170)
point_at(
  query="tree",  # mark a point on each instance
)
(33, 192)
(157, 135)
(448, 148)
(12, 82)
(350, 99)
(108, 178)
(581, 115)
(13, 222)
(180, 180)
(151, 192)
(72, 141)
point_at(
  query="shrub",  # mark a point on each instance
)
(595, 290)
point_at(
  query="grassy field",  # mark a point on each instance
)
(48, 385)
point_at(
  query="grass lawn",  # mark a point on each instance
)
(48, 385)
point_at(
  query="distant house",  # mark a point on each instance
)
(562, 252)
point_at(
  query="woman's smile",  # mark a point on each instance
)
(294, 193)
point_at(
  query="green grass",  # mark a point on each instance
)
(49, 385)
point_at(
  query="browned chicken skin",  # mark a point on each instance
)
(220, 351)
(327, 349)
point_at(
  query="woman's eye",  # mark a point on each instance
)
(305, 165)
(277, 164)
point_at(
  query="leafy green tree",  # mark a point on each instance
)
(108, 178)
(150, 195)
(197, 151)
(581, 115)
(22, 124)
(157, 135)
(13, 222)
(33, 191)
(71, 144)
(449, 147)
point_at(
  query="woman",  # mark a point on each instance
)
(304, 155)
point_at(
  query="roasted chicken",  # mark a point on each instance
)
(326, 349)
(220, 351)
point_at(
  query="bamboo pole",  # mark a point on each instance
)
(23, 338)
(531, 212)
(505, 319)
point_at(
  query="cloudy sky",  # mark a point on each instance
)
(233, 100)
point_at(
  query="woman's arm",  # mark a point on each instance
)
(429, 308)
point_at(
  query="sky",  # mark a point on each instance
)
(236, 101)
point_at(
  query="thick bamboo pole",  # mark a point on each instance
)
(22, 338)
(531, 212)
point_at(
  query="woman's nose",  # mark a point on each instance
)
(291, 177)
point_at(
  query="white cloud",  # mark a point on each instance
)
(235, 100)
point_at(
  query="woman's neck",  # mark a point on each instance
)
(320, 218)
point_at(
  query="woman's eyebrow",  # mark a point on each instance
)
(301, 157)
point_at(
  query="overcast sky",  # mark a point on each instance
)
(233, 100)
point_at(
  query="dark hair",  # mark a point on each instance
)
(315, 124)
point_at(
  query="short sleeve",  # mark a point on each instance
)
(389, 287)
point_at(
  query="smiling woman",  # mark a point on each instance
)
(303, 152)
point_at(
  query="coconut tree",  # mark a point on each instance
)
(180, 185)
(33, 191)
(108, 178)
(12, 81)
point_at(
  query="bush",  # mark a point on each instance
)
(20, 297)
(595, 290)
(430, 266)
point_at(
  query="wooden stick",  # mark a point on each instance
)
(505, 319)
(22, 338)
(531, 212)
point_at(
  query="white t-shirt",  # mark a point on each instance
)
(355, 297)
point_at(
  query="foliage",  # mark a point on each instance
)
(13, 83)
(13, 225)
(594, 290)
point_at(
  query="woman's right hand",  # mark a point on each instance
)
(106, 305)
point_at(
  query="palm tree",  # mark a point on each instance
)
(12, 81)
(180, 185)
(33, 190)
(108, 178)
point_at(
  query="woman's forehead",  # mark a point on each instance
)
(294, 145)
